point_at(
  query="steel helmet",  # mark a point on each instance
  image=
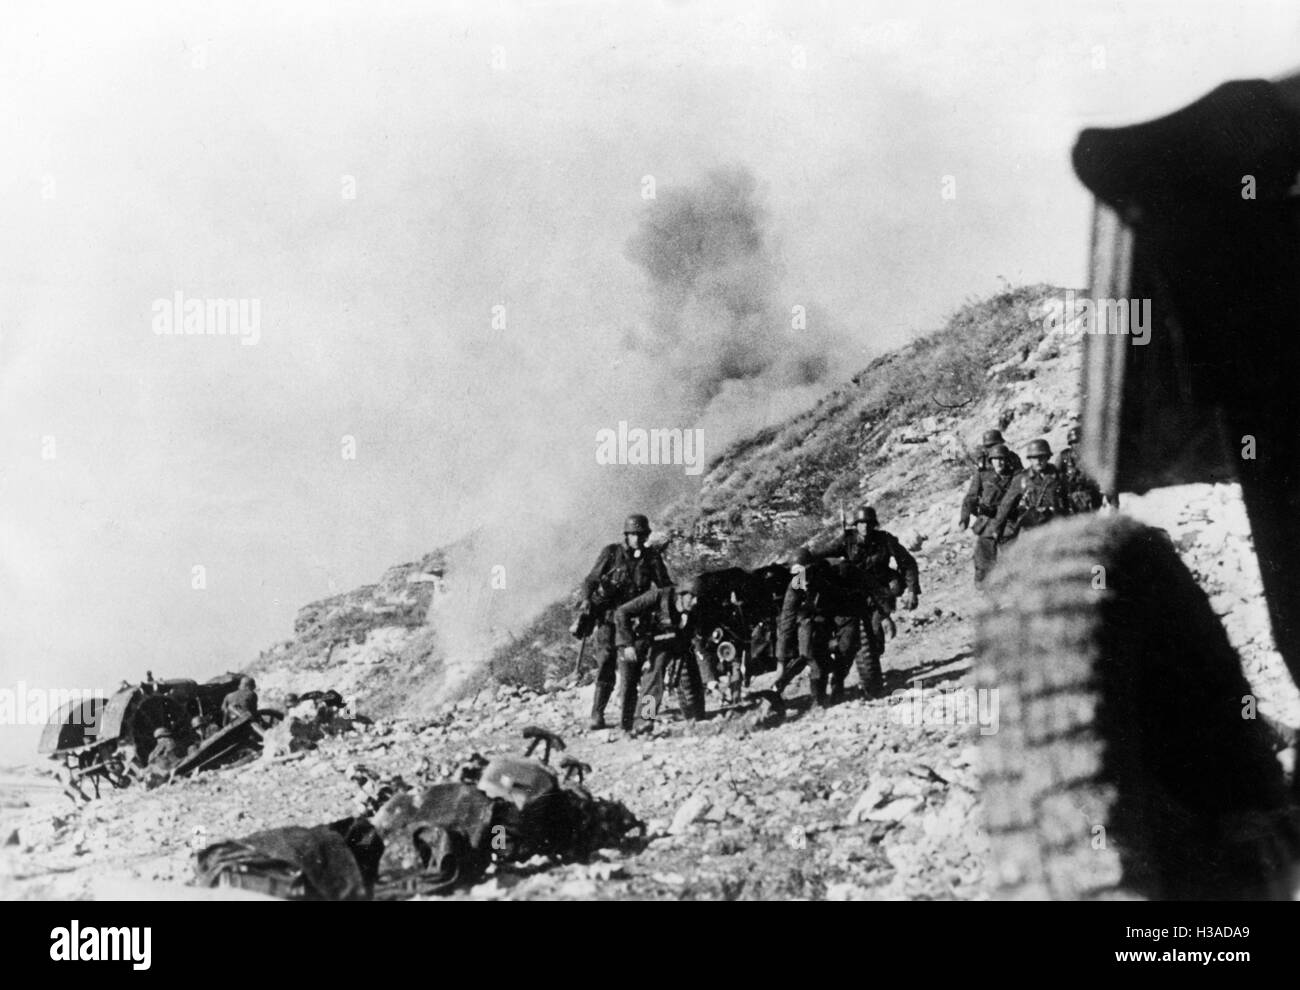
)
(1000, 450)
(991, 437)
(803, 557)
(1038, 448)
(866, 514)
(516, 779)
(637, 523)
(691, 586)
(1073, 435)
(162, 733)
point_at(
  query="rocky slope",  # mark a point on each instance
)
(852, 803)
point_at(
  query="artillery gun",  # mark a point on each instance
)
(101, 740)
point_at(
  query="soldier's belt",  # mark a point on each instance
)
(660, 637)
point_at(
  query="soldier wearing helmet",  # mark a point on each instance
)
(871, 587)
(1084, 493)
(984, 465)
(1034, 497)
(622, 571)
(982, 504)
(658, 625)
(988, 441)
(165, 753)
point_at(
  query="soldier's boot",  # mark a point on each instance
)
(836, 689)
(816, 689)
(789, 671)
(598, 703)
(627, 673)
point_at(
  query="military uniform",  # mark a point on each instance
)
(867, 568)
(165, 755)
(239, 702)
(659, 632)
(1084, 493)
(990, 440)
(805, 627)
(620, 574)
(983, 499)
(1030, 500)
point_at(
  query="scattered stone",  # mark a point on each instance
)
(875, 793)
(692, 811)
(894, 811)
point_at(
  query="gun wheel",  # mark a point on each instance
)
(690, 690)
(1123, 765)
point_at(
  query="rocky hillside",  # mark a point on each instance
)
(900, 434)
(856, 802)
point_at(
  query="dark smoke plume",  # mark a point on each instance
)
(717, 312)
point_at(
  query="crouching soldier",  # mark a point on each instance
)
(166, 753)
(980, 508)
(622, 571)
(1035, 496)
(659, 626)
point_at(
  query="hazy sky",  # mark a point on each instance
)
(497, 153)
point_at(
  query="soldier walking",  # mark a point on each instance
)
(659, 626)
(991, 439)
(1084, 493)
(980, 507)
(622, 571)
(805, 626)
(866, 551)
(1034, 497)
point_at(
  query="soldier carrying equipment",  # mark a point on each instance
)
(855, 596)
(866, 552)
(1034, 497)
(658, 625)
(622, 571)
(812, 600)
(981, 504)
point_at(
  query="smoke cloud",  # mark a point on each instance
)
(715, 342)
(717, 312)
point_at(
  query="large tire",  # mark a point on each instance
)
(869, 671)
(690, 689)
(1123, 765)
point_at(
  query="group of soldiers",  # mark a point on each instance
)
(1005, 498)
(825, 611)
(171, 746)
